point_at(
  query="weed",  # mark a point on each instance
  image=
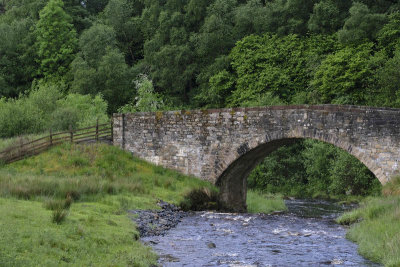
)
(392, 188)
(58, 204)
(59, 215)
(159, 170)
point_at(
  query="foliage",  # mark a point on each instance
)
(17, 57)
(280, 173)
(45, 107)
(343, 77)
(268, 64)
(183, 47)
(147, 100)
(361, 25)
(88, 109)
(200, 199)
(313, 169)
(328, 16)
(111, 77)
(56, 40)
(349, 176)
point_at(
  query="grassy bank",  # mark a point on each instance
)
(258, 202)
(375, 226)
(102, 182)
(68, 206)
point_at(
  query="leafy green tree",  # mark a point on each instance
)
(56, 40)
(328, 16)
(94, 7)
(350, 176)
(216, 36)
(361, 25)
(79, 14)
(386, 87)
(119, 14)
(94, 42)
(220, 87)
(21, 9)
(288, 16)
(195, 13)
(389, 35)
(147, 99)
(85, 111)
(281, 172)
(268, 64)
(17, 57)
(111, 77)
(250, 19)
(344, 77)
(317, 162)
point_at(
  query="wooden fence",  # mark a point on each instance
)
(21, 150)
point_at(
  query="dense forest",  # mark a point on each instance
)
(68, 62)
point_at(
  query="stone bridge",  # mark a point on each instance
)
(223, 145)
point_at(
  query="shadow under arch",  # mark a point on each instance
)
(233, 180)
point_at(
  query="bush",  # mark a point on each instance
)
(88, 108)
(63, 118)
(200, 199)
(45, 107)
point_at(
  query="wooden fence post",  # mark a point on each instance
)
(71, 134)
(97, 130)
(51, 137)
(20, 146)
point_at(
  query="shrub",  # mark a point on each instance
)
(45, 107)
(63, 118)
(200, 199)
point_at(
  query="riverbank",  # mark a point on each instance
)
(375, 226)
(70, 206)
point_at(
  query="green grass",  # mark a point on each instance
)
(93, 235)
(258, 202)
(40, 226)
(90, 172)
(375, 226)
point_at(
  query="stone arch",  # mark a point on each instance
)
(232, 180)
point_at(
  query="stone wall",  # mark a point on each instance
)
(223, 145)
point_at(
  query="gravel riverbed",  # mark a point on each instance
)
(157, 222)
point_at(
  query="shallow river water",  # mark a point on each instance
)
(304, 236)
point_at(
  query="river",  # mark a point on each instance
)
(306, 235)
